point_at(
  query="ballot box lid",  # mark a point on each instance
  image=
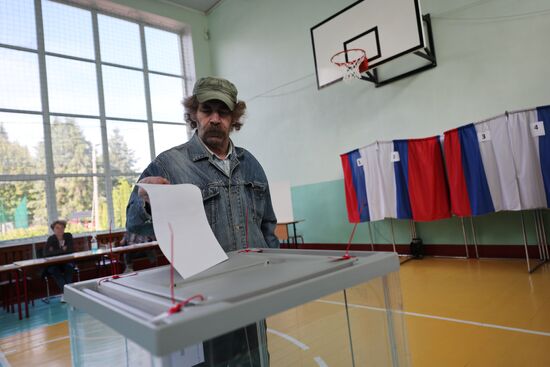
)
(248, 287)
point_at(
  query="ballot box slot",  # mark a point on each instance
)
(153, 305)
(121, 306)
(273, 279)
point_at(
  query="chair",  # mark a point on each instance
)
(9, 299)
(104, 267)
(45, 276)
(298, 237)
(46, 279)
(7, 293)
(8, 286)
(281, 232)
(103, 264)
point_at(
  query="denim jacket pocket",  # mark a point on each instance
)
(257, 193)
(210, 198)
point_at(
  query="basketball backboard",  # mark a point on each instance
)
(385, 29)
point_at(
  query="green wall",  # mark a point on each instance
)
(323, 207)
(492, 56)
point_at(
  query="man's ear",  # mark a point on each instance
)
(193, 117)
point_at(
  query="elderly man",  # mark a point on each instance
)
(234, 188)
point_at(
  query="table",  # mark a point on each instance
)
(293, 223)
(25, 265)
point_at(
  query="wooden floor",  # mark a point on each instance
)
(455, 312)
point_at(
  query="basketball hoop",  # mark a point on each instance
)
(351, 62)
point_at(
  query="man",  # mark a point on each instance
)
(234, 188)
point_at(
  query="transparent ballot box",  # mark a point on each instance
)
(271, 308)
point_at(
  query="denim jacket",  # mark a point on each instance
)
(228, 199)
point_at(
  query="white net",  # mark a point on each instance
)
(349, 62)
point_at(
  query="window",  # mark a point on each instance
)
(21, 144)
(19, 80)
(128, 146)
(76, 145)
(67, 30)
(124, 93)
(168, 136)
(166, 98)
(17, 24)
(74, 141)
(72, 86)
(122, 188)
(22, 209)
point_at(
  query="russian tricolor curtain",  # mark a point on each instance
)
(404, 179)
(497, 164)
(424, 175)
(500, 164)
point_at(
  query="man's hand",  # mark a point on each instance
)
(155, 180)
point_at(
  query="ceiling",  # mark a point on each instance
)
(200, 5)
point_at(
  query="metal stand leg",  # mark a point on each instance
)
(26, 294)
(412, 233)
(541, 216)
(389, 319)
(295, 237)
(371, 238)
(465, 239)
(47, 290)
(537, 231)
(392, 235)
(407, 257)
(18, 294)
(542, 235)
(474, 235)
(349, 330)
(261, 327)
(525, 243)
(540, 243)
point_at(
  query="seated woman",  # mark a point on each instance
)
(60, 243)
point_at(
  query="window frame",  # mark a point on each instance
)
(187, 77)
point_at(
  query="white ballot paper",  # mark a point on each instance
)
(195, 246)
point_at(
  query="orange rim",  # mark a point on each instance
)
(352, 62)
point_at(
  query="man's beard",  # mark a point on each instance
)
(214, 137)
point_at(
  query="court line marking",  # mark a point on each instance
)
(320, 362)
(450, 319)
(32, 346)
(3, 360)
(294, 341)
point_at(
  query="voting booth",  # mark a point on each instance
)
(300, 308)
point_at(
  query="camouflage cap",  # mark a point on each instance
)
(210, 88)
